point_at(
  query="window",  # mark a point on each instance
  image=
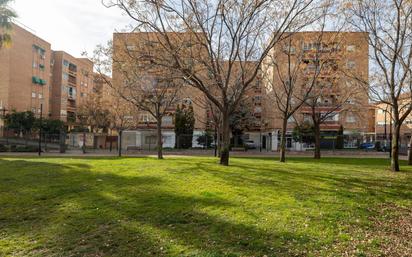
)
(380, 111)
(40, 96)
(332, 117)
(131, 47)
(351, 48)
(187, 101)
(150, 140)
(350, 101)
(65, 76)
(291, 120)
(258, 109)
(289, 49)
(33, 94)
(33, 110)
(307, 118)
(72, 92)
(351, 65)
(351, 118)
(382, 123)
(307, 46)
(34, 64)
(167, 120)
(146, 118)
(65, 63)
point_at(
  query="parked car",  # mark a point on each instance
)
(249, 144)
(367, 146)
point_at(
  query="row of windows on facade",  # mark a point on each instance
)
(388, 122)
(333, 117)
(72, 92)
(66, 78)
(40, 51)
(38, 65)
(35, 95)
(308, 46)
(73, 67)
(350, 64)
(35, 110)
(145, 117)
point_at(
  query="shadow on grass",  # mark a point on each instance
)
(348, 182)
(50, 209)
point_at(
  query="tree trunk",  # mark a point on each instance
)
(317, 140)
(395, 148)
(283, 141)
(410, 151)
(159, 140)
(225, 144)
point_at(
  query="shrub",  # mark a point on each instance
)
(3, 148)
(26, 149)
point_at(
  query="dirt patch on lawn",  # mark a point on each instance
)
(392, 226)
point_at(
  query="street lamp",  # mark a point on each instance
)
(40, 129)
(3, 111)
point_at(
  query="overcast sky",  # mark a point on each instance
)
(73, 26)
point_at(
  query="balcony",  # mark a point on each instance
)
(71, 117)
(72, 73)
(72, 68)
(72, 81)
(71, 105)
(321, 109)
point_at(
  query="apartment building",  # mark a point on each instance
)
(327, 64)
(73, 82)
(144, 45)
(25, 73)
(383, 123)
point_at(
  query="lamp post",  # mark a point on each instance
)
(385, 133)
(390, 135)
(3, 118)
(41, 126)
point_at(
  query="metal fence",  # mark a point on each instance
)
(146, 141)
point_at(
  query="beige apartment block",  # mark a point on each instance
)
(127, 44)
(344, 56)
(73, 82)
(25, 73)
(383, 120)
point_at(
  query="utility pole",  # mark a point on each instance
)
(41, 126)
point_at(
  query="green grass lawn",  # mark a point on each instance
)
(194, 207)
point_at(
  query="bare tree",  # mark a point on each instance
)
(390, 38)
(139, 79)
(97, 116)
(303, 72)
(335, 93)
(224, 34)
(286, 83)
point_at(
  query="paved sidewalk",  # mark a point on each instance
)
(205, 153)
